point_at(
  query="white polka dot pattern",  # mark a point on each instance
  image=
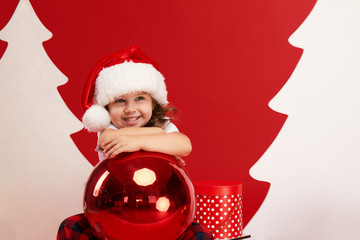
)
(222, 215)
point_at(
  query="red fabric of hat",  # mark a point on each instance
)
(122, 72)
(133, 53)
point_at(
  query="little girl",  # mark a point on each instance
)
(126, 102)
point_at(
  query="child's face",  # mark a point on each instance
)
(131, 110)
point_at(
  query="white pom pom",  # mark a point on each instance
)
(96, 118)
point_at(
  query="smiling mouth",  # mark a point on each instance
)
(131, 119)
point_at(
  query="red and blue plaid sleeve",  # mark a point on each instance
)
(77, 228)
(197, 232)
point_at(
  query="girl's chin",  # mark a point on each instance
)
(133, 124)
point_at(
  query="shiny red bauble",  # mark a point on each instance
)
(141, 195)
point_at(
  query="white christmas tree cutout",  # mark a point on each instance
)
(313, 165)
(42, 173)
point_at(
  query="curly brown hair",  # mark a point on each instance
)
(160, 115)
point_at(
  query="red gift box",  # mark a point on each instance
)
(219, 207)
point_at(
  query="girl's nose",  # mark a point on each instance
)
(130, 107)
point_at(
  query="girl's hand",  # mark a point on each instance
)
(122, 143)
(114, 142)
(148, 139)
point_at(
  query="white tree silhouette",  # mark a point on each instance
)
(314, 163)
(42, 173)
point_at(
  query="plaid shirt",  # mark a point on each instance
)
(77, 228)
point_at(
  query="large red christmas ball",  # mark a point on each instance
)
(141, 195)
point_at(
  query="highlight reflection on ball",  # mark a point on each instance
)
(141, 195)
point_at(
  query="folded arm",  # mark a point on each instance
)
(151, 139)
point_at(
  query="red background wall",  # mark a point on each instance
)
(223, 62)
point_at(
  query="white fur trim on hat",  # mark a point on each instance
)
(128, 77)
(96, 118)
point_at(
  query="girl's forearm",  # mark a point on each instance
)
(175, 143)
(110, 134)
(140, 130)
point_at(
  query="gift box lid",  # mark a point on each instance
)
(218, 187)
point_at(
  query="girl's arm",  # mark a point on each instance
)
(174, 143)
(148, 139)
(109, 135)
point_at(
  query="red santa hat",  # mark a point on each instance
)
(122, 72)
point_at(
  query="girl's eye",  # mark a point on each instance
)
(119, 100)
(139, 98)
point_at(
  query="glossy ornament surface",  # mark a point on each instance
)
(141, 195)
